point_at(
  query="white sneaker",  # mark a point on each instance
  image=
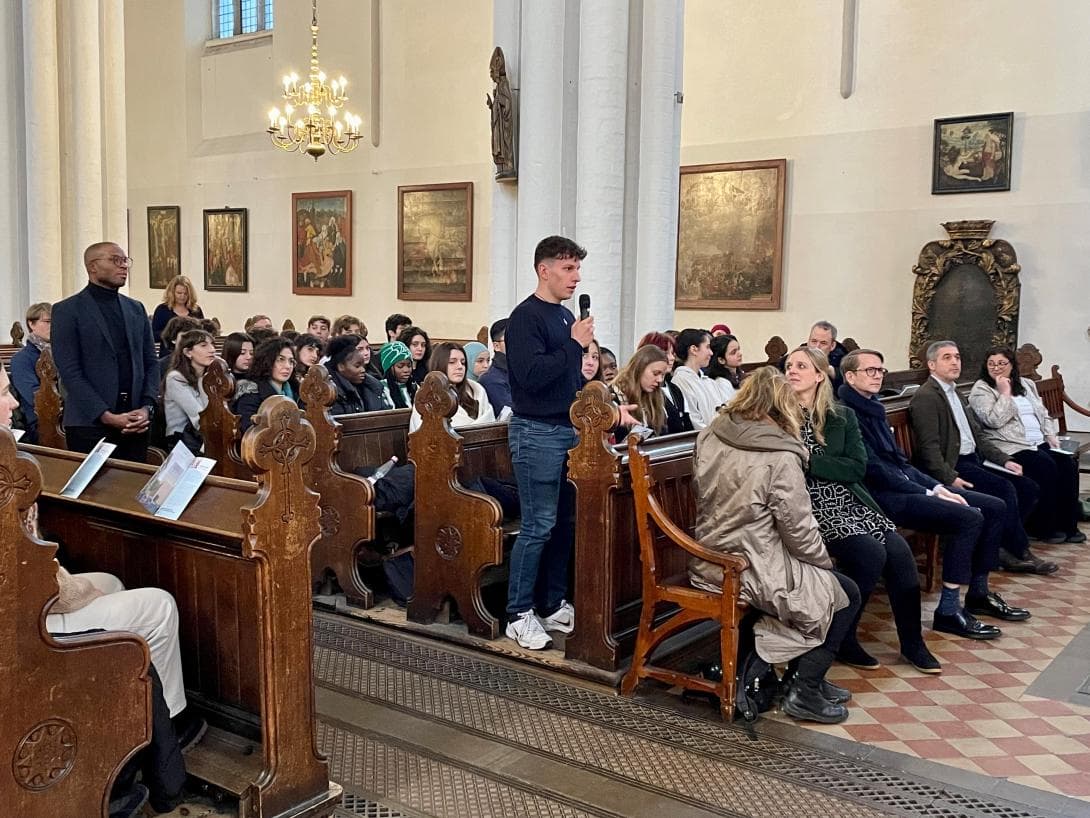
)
(562, 620)
(527, 631)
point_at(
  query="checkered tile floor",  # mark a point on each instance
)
(976, 715)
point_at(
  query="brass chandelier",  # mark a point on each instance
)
(315, 107)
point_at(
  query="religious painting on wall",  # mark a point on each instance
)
(972, 154)
(164, 245)
(730, 236)
(322, 246)
(435, 242)
(226, 260)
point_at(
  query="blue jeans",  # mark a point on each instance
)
(539, 559)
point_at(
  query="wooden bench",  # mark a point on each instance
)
(219, 425)
(237, 562)
(459, 534)
(48, 403)
(76, 708)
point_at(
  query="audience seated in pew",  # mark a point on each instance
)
(478, 360)
(184, 397)
(473, 406)
(308, 352)
(395, 325)
(179, 299)
(1014, 419)
(397, 367)
(725, 368)
(419, 344)
(348, 325)
(258, 321)
(591, 365)
(357, 390)
(238, 353)
(98, 601)
(951, 448)
(672, 397)
(752, 500)
(971, 523)
(167, 338)
(271, 373)
(495, 381)
(702, 398)
(318, 326)
(638, 387)
(862, 540)
(823, 337)
(609, 365)
(24, 376)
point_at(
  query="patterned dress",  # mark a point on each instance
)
(838, 512)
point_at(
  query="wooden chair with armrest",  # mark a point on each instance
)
(657, 532)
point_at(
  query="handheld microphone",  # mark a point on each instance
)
(584, 307)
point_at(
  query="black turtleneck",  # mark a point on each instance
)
(108, 301)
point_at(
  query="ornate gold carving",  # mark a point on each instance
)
(968, 244)
(45, 755)
(448, 542)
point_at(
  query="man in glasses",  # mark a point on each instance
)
(970, 522)
(106, 359)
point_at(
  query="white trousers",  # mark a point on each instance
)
(147, 612)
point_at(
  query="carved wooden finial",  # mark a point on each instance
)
(218, 382)
(17, 334)
(20, 482)
(775, 349)
(317, 388)
(288, 325)
(48, 404)
(1029, 358)
(435, 398)
(279, 439)
(593, 413)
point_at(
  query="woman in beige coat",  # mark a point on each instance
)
(752, 500)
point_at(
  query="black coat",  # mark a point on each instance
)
(352, 399)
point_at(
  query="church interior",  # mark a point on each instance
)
(887, 172)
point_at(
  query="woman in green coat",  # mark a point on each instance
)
(862, 540)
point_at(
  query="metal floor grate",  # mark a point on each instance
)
(359, 806)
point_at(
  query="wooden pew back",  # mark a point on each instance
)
(372, 438)
(48, 403)
(219, 425)
(75, 708)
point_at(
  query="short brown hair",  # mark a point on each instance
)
(850, 362)
(36, 312)
(341, 325)
(314, 319)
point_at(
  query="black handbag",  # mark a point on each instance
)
(188, 436)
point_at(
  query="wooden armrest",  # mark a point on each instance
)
(731, 563)
(1082, 410)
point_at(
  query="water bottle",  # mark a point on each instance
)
(383, 470)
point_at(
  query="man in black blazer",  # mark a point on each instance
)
(950, 448)
(106, 359)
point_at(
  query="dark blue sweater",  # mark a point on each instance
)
(543, 362)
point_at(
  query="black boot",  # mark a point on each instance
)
(906, 615)
(829, 691)
(804, 702)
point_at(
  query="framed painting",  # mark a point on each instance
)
(730, 236)
(321, 262)
(226, 250)
(435, 242)
(164, 245)
(972, 154)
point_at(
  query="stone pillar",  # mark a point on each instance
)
(600, 159)
(115, 177)
(503, 232)
(45, 261)
(13, 279)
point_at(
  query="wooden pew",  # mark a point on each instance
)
(346, 501)
(238, 564)
(48, 403)
(459, 533)
(372, 438)
(76, 708)
(219, 425)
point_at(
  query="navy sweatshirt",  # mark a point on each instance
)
(543, 362)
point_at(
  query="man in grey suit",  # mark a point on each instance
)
(106, 359)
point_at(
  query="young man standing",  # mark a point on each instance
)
(544, 354)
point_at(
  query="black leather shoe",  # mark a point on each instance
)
(993, 605)
(964, 624)
(1016, 565)
(829, 691)
(922, 659)
(190, 730)
(1041, 566)
(1076, 537)
(1052, 538)
(804, 701)
(855, 656)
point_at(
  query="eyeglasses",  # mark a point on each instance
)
(285, 359)
(874, 371)
(999, 364)
(120, 261)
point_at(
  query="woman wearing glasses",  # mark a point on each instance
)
(1014, 418)
(271, 373)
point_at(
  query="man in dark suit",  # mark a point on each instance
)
(950, 448)
(106, 359)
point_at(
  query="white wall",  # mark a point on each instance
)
(762, 82)
(196, 139)
(13, 281)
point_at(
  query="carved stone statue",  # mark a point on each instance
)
(502, 105)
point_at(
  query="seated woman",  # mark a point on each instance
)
(479, 358)
(592, 363)
(672, 398)
(751, 500)
(862, 540)
(1015, 419)
(179, 299)
(473, 406)
(183, 392)
(397, 368)
(419, 345)
(175, 327)
(238, 353)
(701, 396)
(638, 386)
(724, 369)
(308, 352)
(609, 364)
(271, 373)
(357, 391)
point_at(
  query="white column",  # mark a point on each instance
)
(45, 262)
(83, 141)
(660, 157)
(503, 232)
(115, 177)
(600, 156)
(541, 122)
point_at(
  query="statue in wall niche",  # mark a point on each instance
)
(967, 290)
(502, 105)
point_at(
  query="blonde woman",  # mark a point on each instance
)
(751, 500)
(179, 298)
(638, 384)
